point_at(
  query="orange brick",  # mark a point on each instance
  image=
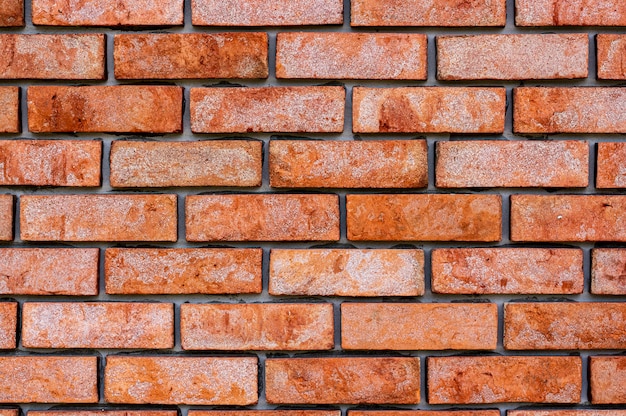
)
(568, 217)
(106, 13)
(431, 13)
(342, 380)
(507, 271)
(608, 271)
(97, 325)
(182, 271)
(564, 326)
(46, 379)
(9, 412)
(264, 412)
(585, 412)
(98, 218)
(50, 162)
(423, 412)
(6, 217)
(608, 380)
(332, 55)
(71, 56)
(611, 51)
(191, 55)
(569, 110)
(424, 217)
(428, 110)
(8, 324)
(181, 380)
(266, 326)
(262, 217)
(346, 272)
(611, 165)
(10, 105)
(348, 164)
(465, 380)
(488, 163)
(411, 326)
(102, 412)
(11, 13)
(270, 109)
(570, 13)
(205, 163)
(112, 109)
(262, 13)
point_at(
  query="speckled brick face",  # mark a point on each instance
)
(10, 115)
(11, 13)
(6, 217)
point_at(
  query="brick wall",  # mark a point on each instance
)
(312, 208)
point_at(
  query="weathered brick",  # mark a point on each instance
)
(411, 326)
(570, 13)
(191, 55)
(102, 412)
(98, 217)
(262, 13)
(6, 217)
(611, 165)
(564, 326)
(465, 380)
(348, 164)
(262, 217)
(492, 412)
(333, 55)
(488, 163)
(8, 324)
(50, 162)
(270, 109)
(203, 163)
(507, 271)
(346, 272)
(10, 105)
(431, 13)
(611, 52)
(582, 412)
(11, 13)
(97, 325)
(569, 110)
(568, 217)
(342, 380)
(608, 271)
(428, 110)
(46, 379)
(112, 109)
(181, 380)
(71, 56)
(182, 271)
(106, 13)
(278, 412)
(608, 380)
(424, 217)
(261, 326)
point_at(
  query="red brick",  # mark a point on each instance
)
(411, 326)
(332, 55)
(343, 380)
(9, 412)
(611, 51)
(564, 326)
(270, 109)
(262, 217)
(570, 13)
(191, 55)
(424, 217)
(10, 105)
(488, 163)
(263, 13)
(608, 380)
(569, 110)
(181, 380)
(97, 325)
(348, 164)
(106, 13)
(478, 271)
(611, 165)
(47, 379)
(568, 217)
(430, 13)
(8, 324)
(50, 162)
(11, 13)
(428, 110)
(182, 271)
(102, 412)
(71, 56)
(192, 412)
(608, 271)
(346, 272)
(465, 380)
(204, 163)
(112, 109)
(585, 412)
(232, 327)
(423, 412)
(6, 217)
(98, 217)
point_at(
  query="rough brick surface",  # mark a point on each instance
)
(191, 55)
(608, 380)
(10, 114)
(8, 325)
(348, 164)
(570, 13)
(583, 412)
(11, 13)
(6, 217)
(611, 51)
(611, 165)
(292, 326)
(102, 412)
(423, 412)
(193, 412)
(342, 380)
(608, 271)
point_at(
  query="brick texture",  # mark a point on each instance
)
(611, 50)
(574, 13)
(608, 378)
(6, 217)
(608, 271)
(11, 13)
(582, 412)
(8, 325)
(10, 114)
(611, 165)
